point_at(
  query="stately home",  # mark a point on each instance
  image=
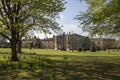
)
(69, 42)
(64, 41)
(104, 43)
(31, 42)
(118, 44)
(48, 43)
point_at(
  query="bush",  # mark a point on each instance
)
(63, 48)
(104, 49)
(93, 49)
(79, 49)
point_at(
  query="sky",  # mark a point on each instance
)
(73, 8)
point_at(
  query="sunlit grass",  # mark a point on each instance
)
(59, 52)
(37, 64)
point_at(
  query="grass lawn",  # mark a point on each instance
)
(40, 64)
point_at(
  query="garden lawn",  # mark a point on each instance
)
(42, 64)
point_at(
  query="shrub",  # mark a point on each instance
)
(79, 49)
(93, 49)
(63, 48)
(83, 49)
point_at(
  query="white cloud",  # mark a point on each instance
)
(42, 35)
(66, 28)
(61, 16)
(73, 28)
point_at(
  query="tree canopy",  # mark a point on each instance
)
(102, 17)
(17, 17)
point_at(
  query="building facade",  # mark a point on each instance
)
(104, 43)
(48, 43)
(71, 42)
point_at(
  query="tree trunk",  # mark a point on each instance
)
(14, 56)
(19, 47)
(2, 41)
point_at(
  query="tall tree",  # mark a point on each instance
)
(102, 17)
(17, 17)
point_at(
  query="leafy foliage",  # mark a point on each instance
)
(102, 17)
(17, 17)
(25, 15)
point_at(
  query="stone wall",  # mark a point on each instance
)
(72, 42)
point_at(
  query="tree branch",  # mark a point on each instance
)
(5, 36)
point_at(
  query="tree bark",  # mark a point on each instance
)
(19, 45)
(14, 56)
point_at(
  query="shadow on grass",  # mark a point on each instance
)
(48, 69)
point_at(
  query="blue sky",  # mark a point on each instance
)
(73, 7)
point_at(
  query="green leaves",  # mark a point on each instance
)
(21, 16)
(101, 17)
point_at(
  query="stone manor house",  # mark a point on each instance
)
(64, 41)
(67, 42)
(70, 41)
